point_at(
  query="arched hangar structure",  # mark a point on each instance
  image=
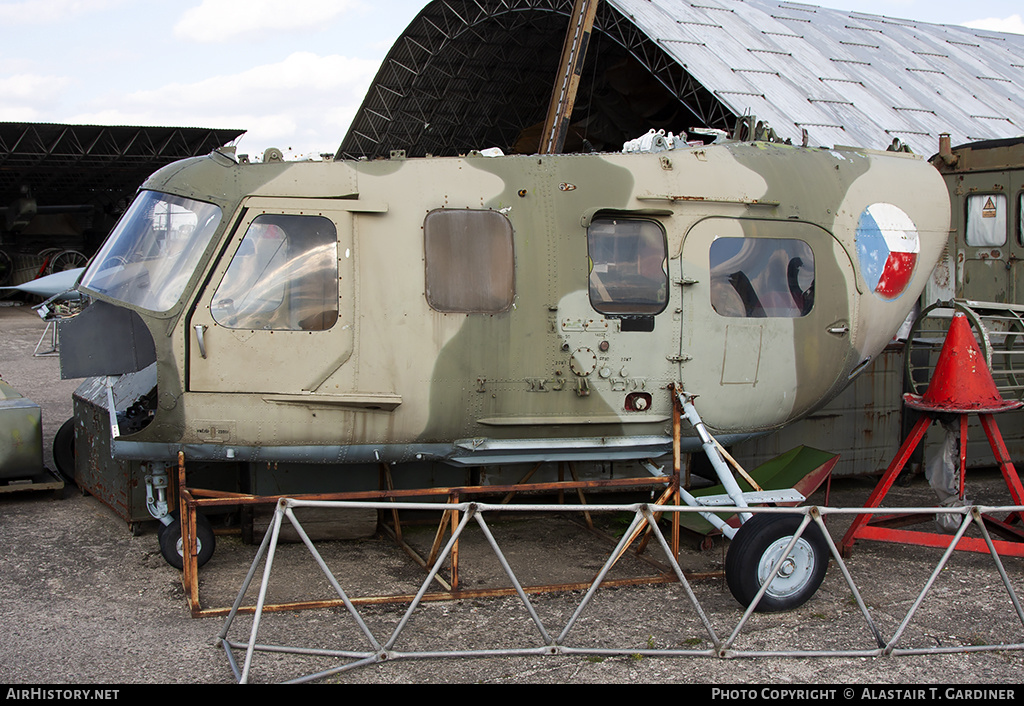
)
(471, 74)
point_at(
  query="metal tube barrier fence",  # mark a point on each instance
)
(380, 649)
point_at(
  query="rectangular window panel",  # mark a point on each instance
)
(283, 277)
(986, 220)
(762, 277)
(470, 262)
(628, 266)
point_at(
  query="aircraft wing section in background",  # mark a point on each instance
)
(59, 284)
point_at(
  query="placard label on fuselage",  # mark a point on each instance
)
(215, 432)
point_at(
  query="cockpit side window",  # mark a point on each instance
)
(469, 260)
(986, 220)
(628, 266)
(762, 277)
(282, 277)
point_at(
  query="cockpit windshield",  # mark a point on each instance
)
(154, 250)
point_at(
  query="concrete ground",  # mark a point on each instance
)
(84, 601)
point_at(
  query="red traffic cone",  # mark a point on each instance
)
(962, 381)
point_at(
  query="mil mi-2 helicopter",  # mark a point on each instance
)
(483, 310)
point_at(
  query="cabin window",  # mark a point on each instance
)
(762, 277)
(282, 277)
(1020, 219)
(628, 266)
(469, 260)
(986, 220)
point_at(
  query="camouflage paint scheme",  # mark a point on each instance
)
(395, 380)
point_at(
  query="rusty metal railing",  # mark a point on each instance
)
(390, 501)
(546, 642)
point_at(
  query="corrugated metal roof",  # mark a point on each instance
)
(845, 77)
(92, 164)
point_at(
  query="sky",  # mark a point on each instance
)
(290, 72)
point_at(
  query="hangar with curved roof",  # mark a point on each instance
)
(471, 74)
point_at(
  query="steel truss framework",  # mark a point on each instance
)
(468, 74)
(546, 642)
(87, 165)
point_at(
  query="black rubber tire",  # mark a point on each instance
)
(170, 541)
(757, 546)
(64, 450)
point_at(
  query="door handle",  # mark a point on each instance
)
(200, 330)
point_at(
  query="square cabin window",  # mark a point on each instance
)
(628, 266)
(282, 277)
(470, 262)
(986, 220)
(762, 278)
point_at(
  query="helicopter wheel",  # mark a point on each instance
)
(171, 543)
(758, 546)
(64, 450)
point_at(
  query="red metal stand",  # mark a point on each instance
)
(961, 384)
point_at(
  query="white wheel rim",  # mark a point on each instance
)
(795, 572)
(181, 547)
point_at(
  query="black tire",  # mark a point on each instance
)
(171, 545)
(64, 450)
(756, 548)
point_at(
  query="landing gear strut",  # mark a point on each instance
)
(757, 550)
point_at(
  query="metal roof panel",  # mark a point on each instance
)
(876, 77)
(468, 73)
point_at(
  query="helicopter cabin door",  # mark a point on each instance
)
(277, 311)
(766, 319)
(991, 248)
(988, 246)
(1016, 260)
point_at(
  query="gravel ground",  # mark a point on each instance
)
(83, 601)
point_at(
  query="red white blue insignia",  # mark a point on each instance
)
(887, 246)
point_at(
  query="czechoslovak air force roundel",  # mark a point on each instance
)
(887, 246)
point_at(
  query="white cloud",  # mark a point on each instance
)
(20, 114)
(38, 89)
(301, 75)
(217, 20)
(14, 65)
(300, 103)
(29, 97)
(1013, 24)
(26, 12)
